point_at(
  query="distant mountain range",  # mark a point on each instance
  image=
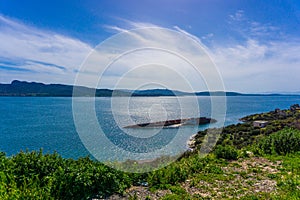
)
(23, 88)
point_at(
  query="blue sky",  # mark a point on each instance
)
(254, 44)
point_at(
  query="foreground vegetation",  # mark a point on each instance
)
(247, 173)
(32, 175)
(247, 163)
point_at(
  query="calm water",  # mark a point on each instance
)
(34, 123)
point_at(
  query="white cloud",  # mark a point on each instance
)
(129, 26)
(207, 36)
(188, 34)
(136, 24)
(261, 59)
(250, 29)
(29, 53)
(115, 28)
(257, 67)
(38, 53)
(237, 16)
(251, 65)
(151, 45)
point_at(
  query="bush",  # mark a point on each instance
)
(34, 175)
(179, 171)
(281, 143)
(226, 152)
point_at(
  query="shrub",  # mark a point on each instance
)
(283, 142)
(34, 175)
(226, 152)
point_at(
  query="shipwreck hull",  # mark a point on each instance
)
(175, 123)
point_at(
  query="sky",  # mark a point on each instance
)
(254, 44)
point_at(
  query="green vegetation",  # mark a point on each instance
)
(283, 142)
(32, 175)
(226, 152)
(236, 173)
(247, 163)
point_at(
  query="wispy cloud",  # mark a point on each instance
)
(264, 60)
(207, 36)
(135, 24)
(129, 25)
(187, 33)
(257, 29)
(237, 16)
(115, 28)
(26, 48)
(146, 44)
(253, 66)
(261, 61)
(249, 28)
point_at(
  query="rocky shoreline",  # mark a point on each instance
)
(191, 142)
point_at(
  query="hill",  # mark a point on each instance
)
(23, 88)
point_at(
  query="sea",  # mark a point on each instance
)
(94, 127)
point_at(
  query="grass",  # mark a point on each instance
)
(264, 175)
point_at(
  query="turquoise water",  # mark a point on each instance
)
(47, 122)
